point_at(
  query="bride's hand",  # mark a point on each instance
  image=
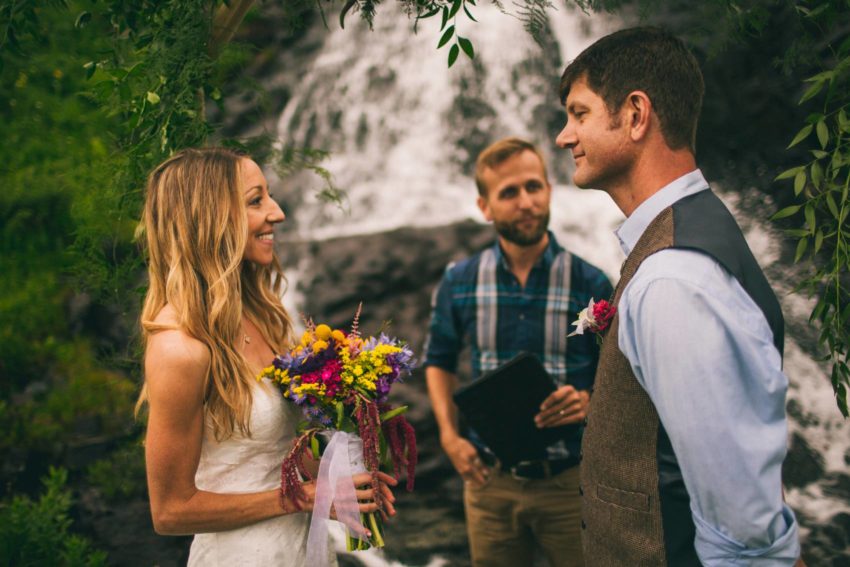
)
(364, 491)
(366, 494)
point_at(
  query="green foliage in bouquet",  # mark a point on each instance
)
(36, 532)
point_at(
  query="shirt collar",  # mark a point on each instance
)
(631, 230)
(545, 260)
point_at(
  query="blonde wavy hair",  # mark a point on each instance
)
(196, 232)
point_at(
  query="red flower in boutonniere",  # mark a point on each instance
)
(594, 318)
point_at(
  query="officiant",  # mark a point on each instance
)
(518, 295)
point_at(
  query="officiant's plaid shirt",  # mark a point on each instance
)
(481, 303)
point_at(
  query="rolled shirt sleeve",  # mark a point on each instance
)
(704, 353)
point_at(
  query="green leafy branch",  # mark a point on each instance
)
(448, 12)
(821, 185)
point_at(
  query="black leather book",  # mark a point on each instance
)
(500, 406)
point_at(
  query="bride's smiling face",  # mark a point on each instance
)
(263, 213)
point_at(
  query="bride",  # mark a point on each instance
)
(212, 319)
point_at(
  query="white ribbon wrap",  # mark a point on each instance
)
(343, 458)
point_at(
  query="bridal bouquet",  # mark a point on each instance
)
(341, 381)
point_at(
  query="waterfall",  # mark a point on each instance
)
(404, 130)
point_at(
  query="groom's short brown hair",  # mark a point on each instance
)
(499, 152)
(644, 59)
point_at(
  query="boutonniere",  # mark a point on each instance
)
(595, 318)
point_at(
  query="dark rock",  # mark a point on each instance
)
(803, 465)
(829, 543)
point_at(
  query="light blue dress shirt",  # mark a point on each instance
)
(703, 351)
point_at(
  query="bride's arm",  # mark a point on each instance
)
(175, 368)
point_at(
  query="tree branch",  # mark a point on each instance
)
(226, 21)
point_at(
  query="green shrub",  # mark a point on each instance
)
(121, 475)
(37, 532)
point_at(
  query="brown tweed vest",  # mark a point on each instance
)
(621, 510)
(626, 515)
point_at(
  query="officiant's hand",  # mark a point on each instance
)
(564, 406)
(466, 461)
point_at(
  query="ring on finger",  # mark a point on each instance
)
(562, 412)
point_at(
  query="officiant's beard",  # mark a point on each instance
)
(513, 232)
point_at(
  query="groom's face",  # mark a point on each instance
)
(598, 139)
(517, 200)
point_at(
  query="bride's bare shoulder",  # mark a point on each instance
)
(170, 348)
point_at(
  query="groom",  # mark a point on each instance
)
(686, 431)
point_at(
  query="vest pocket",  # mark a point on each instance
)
(624, 498)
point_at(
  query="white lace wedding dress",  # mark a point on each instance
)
(241, 465)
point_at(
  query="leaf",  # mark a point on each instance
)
(809, 214)
(430, 13)
(82, 20)
(453, 53)
(801, 135)
(800, 181)
(466, 45)
(812, 91)
(90, 68)
(153, 98)
(817, 175)
(836, 162)
(830, 203)
(788, 173)
(801, 249)
(818, 241)
(823, 133)
(819, 10)
(819, 154)
(393, 412)
(786, 212)
(455, 7)
(818, 310)
(445, 17)
(469, 15)
(841, 399)
(340, 414)
(314, 447)
(845, 314)
(446, 37)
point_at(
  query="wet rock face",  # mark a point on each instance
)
(393, 274)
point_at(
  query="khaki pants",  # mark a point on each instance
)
(506, 516)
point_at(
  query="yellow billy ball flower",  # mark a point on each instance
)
(338, 335)
(323, 332)
(319, 346)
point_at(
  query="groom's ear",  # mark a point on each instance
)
(638, 111)
(485, 208)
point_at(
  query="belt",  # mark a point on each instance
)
(541, 470)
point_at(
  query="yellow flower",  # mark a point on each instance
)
(323, 332)
(306, 338)
(338, 335)
(358, 370)
(319, 346)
